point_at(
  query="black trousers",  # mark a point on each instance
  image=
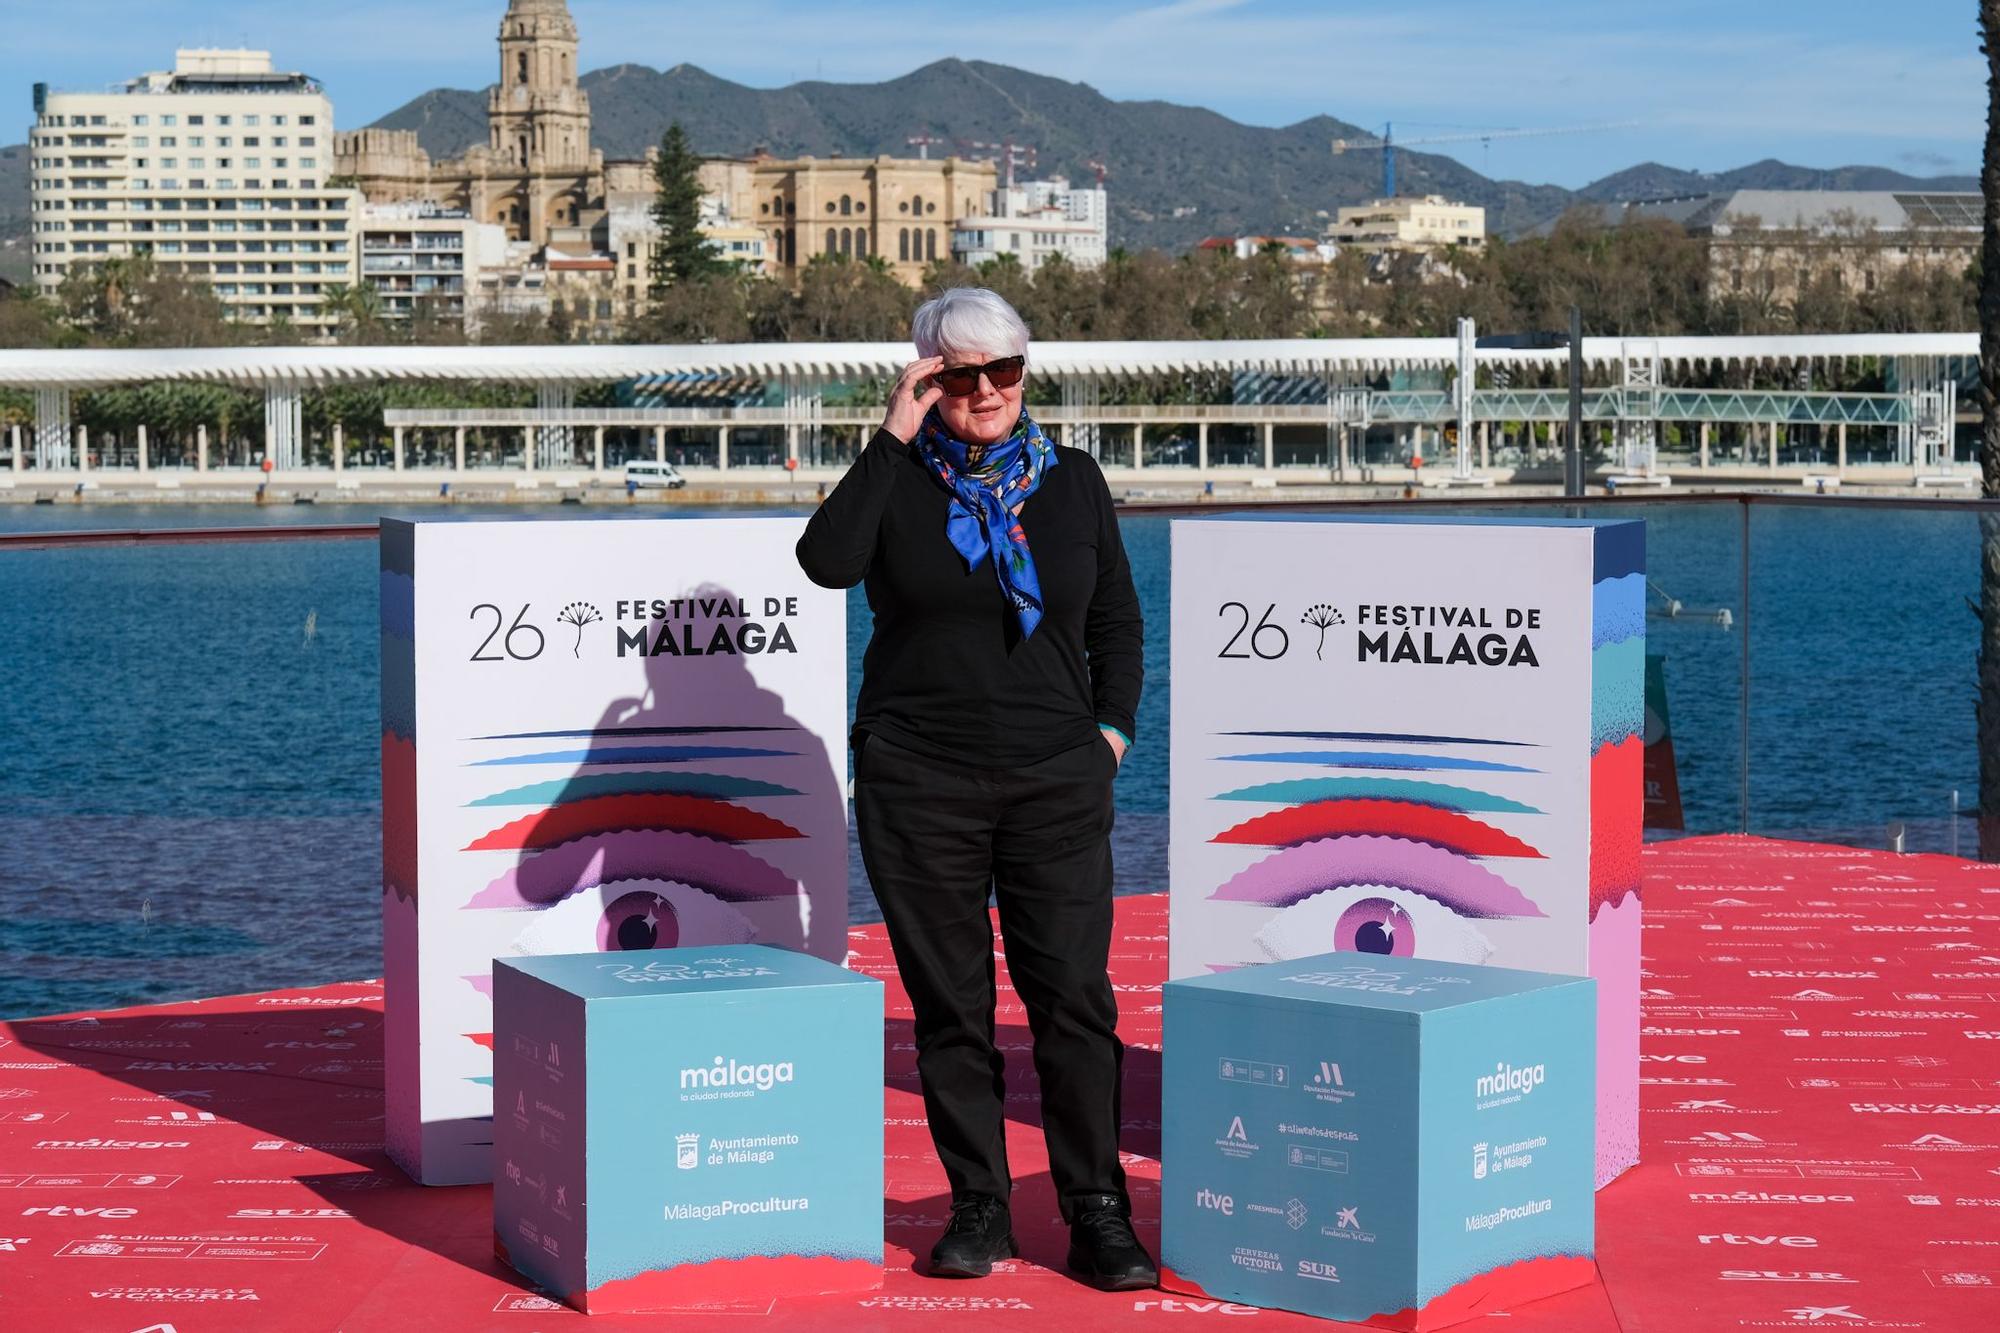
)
(936, 837)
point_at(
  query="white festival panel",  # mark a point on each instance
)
(1415, 738)
(596, 735)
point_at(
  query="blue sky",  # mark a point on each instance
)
(1700, 84)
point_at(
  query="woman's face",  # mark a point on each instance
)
(986, 415)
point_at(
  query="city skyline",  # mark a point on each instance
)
(1708, 87)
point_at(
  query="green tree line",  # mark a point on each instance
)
(1645, 278)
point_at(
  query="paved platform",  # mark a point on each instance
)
(1821, 1143)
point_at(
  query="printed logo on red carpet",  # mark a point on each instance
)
(175, 1295)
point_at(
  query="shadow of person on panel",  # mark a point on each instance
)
(698, 810)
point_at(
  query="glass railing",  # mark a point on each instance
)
(189, 785)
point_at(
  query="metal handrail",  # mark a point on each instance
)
(29, 541)
(42, 541)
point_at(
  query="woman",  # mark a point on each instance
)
(997, 701)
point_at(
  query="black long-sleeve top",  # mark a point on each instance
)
(947, 672)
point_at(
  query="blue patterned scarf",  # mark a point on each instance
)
(986, 498)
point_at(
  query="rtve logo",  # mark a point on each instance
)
(1731, 1238)
(66, 1210)
(1217, 1203)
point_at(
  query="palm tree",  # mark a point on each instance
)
(358, 308)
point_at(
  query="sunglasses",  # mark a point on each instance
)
(963, 381)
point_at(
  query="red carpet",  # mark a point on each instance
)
(1821, 1141)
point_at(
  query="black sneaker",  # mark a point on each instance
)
(981, 1230)
(1103, 1249)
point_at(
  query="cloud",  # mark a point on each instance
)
(1181, 9)
(1928, 161)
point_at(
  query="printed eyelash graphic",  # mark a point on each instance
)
(1375, 894)
(720, 869)
(1296, 791)
(633, 754)
(568, 791)
(1398, 819)
(1421, 763)
(1296, 873)
(604, 814)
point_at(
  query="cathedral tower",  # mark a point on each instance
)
(537, 118)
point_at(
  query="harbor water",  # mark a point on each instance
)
(188, 732)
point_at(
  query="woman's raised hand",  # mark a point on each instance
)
(907, 407)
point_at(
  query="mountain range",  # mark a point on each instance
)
(1175, 173)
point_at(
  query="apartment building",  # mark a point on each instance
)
(421, 256)
(1409, 225)
(217, 168)
(1035, 221)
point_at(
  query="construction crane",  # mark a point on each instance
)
(1388, 143)
(923, 143)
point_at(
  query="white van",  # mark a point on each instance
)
(654, 475)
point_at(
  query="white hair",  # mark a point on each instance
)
(969, 320)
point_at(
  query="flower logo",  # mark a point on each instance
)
(579, 614)
(1323, 617)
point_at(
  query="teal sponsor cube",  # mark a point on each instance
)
(687, 1128)
(1378, 1139)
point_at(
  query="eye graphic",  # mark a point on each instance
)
(633, 914)
(1375, 894)
(639, 921)
(1374, 919)
(1296, 873)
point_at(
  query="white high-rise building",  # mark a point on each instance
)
(1033, 221)
(217, 168)
(418, 254)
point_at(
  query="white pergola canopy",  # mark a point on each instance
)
(303, 367)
